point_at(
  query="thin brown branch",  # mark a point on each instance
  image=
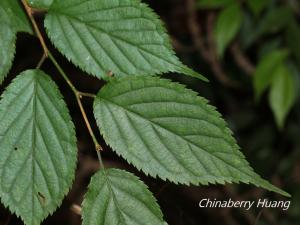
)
(180, 46)
(87, 122)
(195, 29)
(42, 60)
(207, 49)
(84, 94)
(29, 12)
(214, 59)
(241, 60)
(77, 93)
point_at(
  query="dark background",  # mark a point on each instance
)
(274, 154)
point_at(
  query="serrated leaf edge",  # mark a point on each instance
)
(72, 176)
(129, 175)
(181, 68)
(255, 179)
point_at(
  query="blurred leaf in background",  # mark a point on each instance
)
(276, 19)
(227, 26)
(214, 3)
(262, 59)
(282, 93)
(293, 39)
(266, 69)
(257, 6)
(263, 36)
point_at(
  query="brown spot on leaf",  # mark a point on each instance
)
(41, 198)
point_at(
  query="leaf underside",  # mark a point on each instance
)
(168, 131)
(12, 20)
(116, 197)
(37, 145)
(123, 37)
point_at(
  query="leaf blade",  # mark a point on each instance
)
(227, 26)
(292, 37)
(7, 50)
(282, 94)
(134, 203)
(257, 6)
(168, 131)
(40, 4)
(265, 71)
(275, 20)
(125, 37)
(38, 147)
(12, 20)
(11, 13)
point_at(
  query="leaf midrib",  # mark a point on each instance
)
(34, 106)
(111, 187)
(106, 177)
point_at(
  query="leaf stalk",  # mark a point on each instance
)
(78, 94)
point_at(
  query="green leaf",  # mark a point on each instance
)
(214, 3)
(124, 37)
(227, 26)
(257, 5)
(292, 39)
(40, 4)
(168, 131)
(37, 147)
(118, 197)
(7, 50)
(265, 71)
(11, 13)
(247, 33)
(282, 94)
(275, 20)
(12, 20)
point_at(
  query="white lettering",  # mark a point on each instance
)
(247, 205)
(202, 201)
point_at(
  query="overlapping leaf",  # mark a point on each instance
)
(12, 20)
(118, 197)
(265, 70)
(125, 37)
(37, 147)
(168, 131)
